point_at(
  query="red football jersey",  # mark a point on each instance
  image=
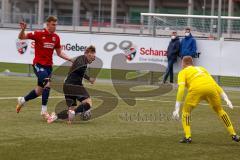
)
(45, 43)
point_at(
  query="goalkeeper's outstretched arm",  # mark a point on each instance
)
(220, 91)
(180, 94)
(224, 96)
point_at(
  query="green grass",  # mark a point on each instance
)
(14, 67)
(112, 136)
(106, 74)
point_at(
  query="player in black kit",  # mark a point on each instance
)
(74, 90)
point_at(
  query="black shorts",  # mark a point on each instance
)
(73, 93)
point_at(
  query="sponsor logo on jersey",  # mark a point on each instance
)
(48, 45)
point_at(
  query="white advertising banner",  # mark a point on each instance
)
(230, 56)
(219, 57)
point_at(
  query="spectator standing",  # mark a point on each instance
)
(172, 54)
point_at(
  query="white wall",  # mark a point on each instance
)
(219, 57)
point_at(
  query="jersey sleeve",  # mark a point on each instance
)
(181, 78)
(58, 43)
(181, 86)
(219, 89)
(32, 35)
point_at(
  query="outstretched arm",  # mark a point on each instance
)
(224, 96)
(22, 34)
(61, 54)
(91, 80)
(220, 90)
(180, 94)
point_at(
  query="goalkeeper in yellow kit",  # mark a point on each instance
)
(201, 86)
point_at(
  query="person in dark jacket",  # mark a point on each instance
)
(172, 54)
(188, 45)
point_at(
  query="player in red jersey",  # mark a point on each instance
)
(46, 41)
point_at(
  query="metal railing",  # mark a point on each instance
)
(201, 26)
(146, 24)
(86, 23)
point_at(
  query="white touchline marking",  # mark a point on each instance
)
(138, 99)
(9, 98)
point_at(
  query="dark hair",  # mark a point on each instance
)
(90, 48)
(188, 28)
(51, 18)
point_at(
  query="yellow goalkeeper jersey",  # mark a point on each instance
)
(195, 77)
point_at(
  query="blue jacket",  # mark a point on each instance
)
(188, 46)
(173, 48)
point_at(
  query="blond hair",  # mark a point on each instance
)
(51, 19)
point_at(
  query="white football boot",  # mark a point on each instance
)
(53, 117)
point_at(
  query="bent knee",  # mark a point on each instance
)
(88, 100)
(39, 90)
(218, 108)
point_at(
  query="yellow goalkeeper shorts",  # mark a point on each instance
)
(208, 93)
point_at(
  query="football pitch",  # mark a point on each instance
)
(141, 132)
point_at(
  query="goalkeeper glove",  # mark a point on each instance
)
(225, 98)
(176, 111)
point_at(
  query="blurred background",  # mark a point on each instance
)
(123, 16)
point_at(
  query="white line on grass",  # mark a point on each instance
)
(138, 99)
